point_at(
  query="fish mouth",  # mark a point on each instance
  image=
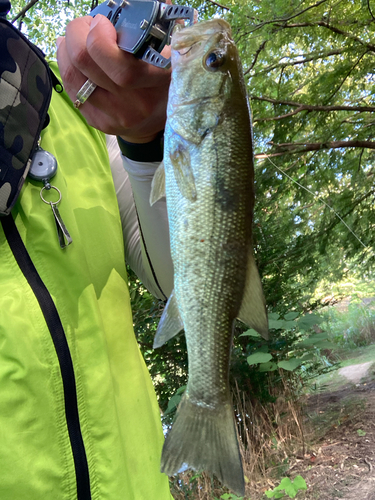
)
(201, 32)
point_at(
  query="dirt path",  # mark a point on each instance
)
(341, 463)
(355, 373)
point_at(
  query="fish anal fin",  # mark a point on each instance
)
(170, 323)
(253, 307)
(158, 184)
(205, 438)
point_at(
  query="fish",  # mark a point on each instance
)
(207, 176)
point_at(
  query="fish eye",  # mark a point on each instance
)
(214, 60)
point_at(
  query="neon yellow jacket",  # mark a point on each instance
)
(78, 414)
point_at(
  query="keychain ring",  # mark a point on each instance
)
(50, 202)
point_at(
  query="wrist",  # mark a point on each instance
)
(144, 151)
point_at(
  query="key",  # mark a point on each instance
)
(43, 168)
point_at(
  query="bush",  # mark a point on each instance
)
(354, 327)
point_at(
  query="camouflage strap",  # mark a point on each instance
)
(4, 8)
(25, 94)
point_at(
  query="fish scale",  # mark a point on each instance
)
(207, 177)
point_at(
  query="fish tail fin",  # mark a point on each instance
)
(205, 438)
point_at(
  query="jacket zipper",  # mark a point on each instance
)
(56, 329)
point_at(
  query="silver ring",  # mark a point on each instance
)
(50, 202)
(84, 93)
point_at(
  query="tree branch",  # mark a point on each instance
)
(219, 5)
(369, 9)
(294, 63)
(24, 10)
(317, 235)
(324, 24)
(261, 47)
(347, 76)
(280, 117)
(293, 147)
(310, 107)
(285, 19)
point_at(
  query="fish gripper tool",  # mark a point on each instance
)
(144, 27)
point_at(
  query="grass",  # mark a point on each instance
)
(352, 327)
(345, 357)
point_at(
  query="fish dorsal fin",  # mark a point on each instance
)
(180, 159)
(158, 184)
(253, 308)
(170, 323)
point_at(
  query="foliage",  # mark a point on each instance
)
(294, 346)
(354, 327)
(287, 487)
(167, 364)
(230, 496)
(45, 20)
(309, 70)
(354, 287)
(199, 486)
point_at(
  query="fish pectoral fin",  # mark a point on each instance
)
(180, 159)
(170, 323)
(253, 307)
(158, 184)
(204, 438)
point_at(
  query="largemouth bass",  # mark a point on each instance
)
(207, 177)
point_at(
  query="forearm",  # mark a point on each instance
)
(145, 228)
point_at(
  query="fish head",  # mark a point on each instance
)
(204, 62)
(206, 79)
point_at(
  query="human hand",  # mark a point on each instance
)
(131, 95)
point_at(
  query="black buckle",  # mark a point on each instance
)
(143, 27)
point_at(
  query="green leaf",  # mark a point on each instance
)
(325, 344)
(259, 357)
(312, 340)
(299, 483)
(173, 403)
(290, 488)
(281, 324)
(308, 356)
(250, 333)
(291, 315)
(308, 321)
(273, 316)
(276, 323)
(290, 364)
(287, 485)
(360, 432)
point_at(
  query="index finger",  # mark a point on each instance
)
(78, 55)
(121, 67)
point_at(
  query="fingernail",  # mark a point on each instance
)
(95, 21)
(59, 40)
